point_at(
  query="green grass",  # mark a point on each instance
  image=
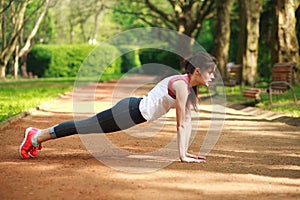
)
(281, 103)
(22, 95)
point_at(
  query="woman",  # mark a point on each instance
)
(178, 91)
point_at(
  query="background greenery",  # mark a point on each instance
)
(66, 60)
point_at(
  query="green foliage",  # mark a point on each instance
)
(38, 60)
(66, 60)
(104, 59)
(46, 30)
(127, 21)
(234, 32)
(264, 53)
(206, 35)
(132, 14)
(131, 59)
(160, 57)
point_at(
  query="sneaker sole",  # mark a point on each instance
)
(23, 142)
(31, 155)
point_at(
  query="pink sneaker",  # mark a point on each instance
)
(34, 151)
(26, 149)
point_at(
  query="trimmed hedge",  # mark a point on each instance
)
(66, 60)
(89, 60)
(131, 59)
(160, 56)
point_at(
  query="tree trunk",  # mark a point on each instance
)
(17, 22)
(99, 12)
(72, 33)
(28, 44)
(2, 70)
(222, 35)
(285, 44)
(248, 39)
(23, 60)
(15, 63)
(83, 31)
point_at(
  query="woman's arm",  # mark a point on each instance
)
(183, 121)
(188, 131)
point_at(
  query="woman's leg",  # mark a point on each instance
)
(123, 115)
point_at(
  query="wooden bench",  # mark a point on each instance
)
(253, 93)
(234, 76)
(282, 79)
(232, 79)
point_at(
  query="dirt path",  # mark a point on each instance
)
(255, 158)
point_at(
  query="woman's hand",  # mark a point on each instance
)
(192, 160)
(195, 156)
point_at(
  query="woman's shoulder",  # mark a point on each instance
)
(183, 77)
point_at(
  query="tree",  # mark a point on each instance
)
(13, 24)
(183, 16)
(247, 54)
(265, 34)
(28, 44)
(78, 21)
(222, 34)
(98, 9)
(285, 43)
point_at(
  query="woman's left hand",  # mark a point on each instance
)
(195, 156)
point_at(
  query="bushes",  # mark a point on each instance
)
(161, 57)
(67, 60)
(131, 59)
(38, 60)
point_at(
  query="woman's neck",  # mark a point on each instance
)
(192, 81)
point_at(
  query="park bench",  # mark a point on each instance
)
(282, 80)
(234, 77)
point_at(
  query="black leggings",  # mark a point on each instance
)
(123, 115)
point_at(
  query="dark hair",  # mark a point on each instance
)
(203, 61)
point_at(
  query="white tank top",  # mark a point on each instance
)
(161, 98)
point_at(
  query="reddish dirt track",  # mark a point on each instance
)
(256, 157)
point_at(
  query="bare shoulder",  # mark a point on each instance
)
(179, 85)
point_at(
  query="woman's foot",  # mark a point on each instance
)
(29, 147)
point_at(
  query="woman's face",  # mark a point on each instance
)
(205, 77)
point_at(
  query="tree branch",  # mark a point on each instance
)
(172, 2)
(5, 8)
(34, 30)
(201, 14)
(159, 12)
(41, 3)
(142, 15)
(147, 22)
